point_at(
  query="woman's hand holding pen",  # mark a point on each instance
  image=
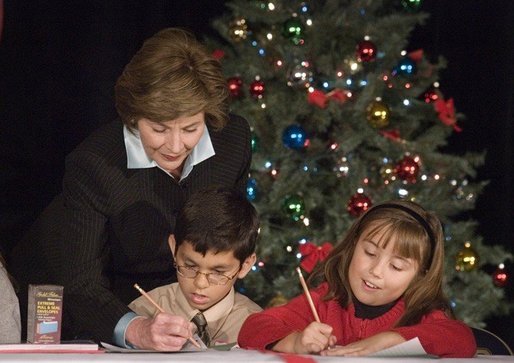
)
(163, 332)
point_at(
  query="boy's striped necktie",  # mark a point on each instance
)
(201, 325)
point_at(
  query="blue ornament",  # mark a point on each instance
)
(295, 137)
(406, 66)
(251, 189)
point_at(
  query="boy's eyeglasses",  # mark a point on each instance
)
(213, 278)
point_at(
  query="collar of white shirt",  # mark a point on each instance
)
(137, 158)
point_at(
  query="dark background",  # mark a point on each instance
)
(59, 61)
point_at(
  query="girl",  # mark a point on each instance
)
(380, 286)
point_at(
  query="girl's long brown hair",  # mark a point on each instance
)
(398, 222)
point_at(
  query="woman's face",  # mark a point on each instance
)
(379, 275)
(169, 143)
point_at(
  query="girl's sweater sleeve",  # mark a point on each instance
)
(441, 336)
(271, 325)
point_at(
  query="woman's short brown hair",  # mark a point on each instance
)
(173, 75)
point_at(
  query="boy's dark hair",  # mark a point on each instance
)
(218, 219)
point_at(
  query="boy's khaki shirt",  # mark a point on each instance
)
(224, 319)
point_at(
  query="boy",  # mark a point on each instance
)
(213, 245)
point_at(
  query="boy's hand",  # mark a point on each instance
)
(367, 346)
(163, 332)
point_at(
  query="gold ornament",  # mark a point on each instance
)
(467, 259)
(378, 114)
(278, 300)
(387, 173)
(238, 30)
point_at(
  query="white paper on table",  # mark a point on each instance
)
(188, 347)
(410, 348)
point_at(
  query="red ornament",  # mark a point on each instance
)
(234, 86)
(257, 88)
(500, 277)
(407, 169)
(218, 54)
(431, 96)
(358, 204)
(366, 51)
(312, 254)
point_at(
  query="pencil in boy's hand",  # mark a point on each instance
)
(143, 292)
(308, 295)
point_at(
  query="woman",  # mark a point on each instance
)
(124, 184)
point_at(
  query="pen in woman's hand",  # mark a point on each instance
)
(143, 292)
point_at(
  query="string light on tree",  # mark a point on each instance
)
(238, 29)
(251, 189)
(342, 167)
(300, 76)
(256, 142)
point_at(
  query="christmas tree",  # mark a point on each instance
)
(345, 113)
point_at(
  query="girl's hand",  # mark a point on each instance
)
(367, 346)
(315, 338)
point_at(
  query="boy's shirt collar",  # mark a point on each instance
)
(137, 158)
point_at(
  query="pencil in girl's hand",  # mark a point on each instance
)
(308, 295)
(143, 292)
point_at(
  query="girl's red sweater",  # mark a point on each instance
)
(438, 334)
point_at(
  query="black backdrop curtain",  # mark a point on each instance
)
(59, 61)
